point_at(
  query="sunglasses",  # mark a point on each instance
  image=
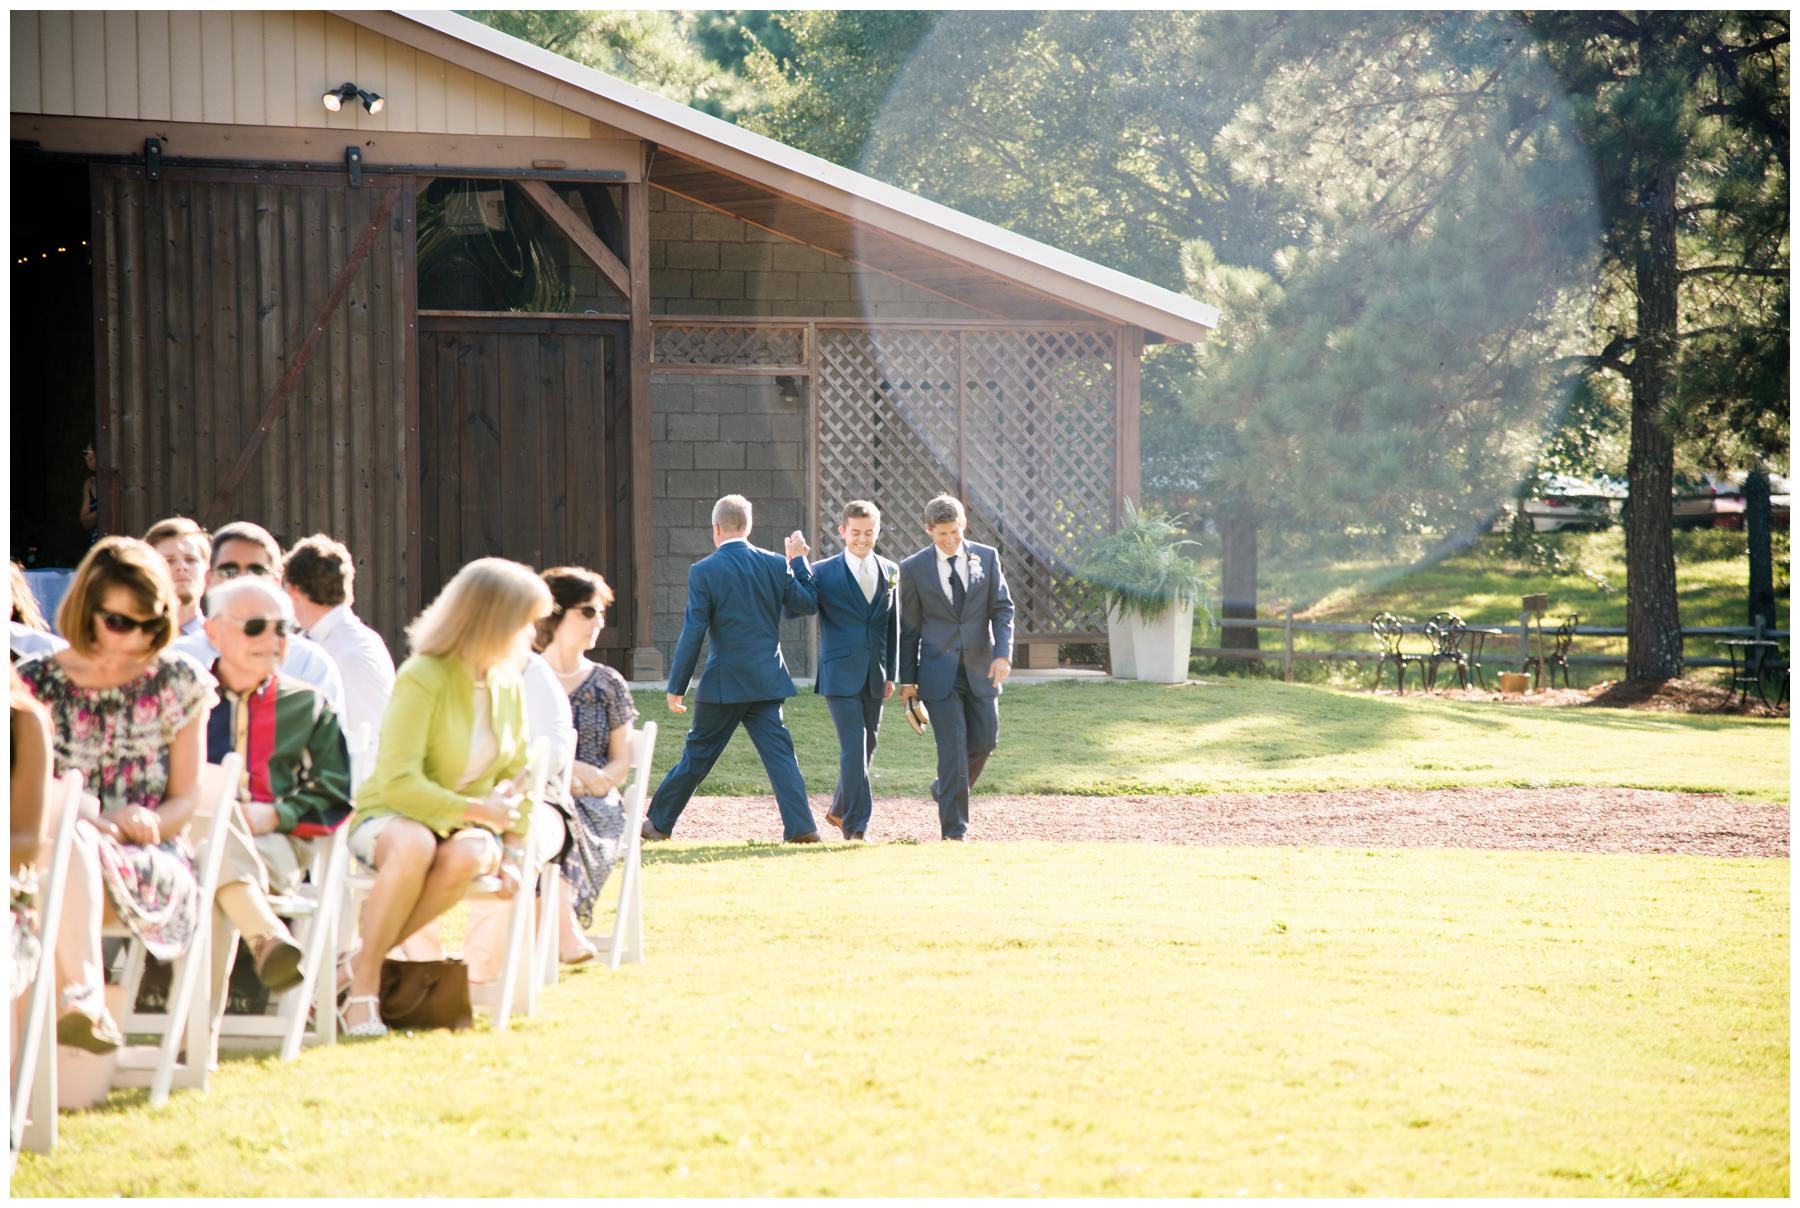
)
(254, 626)
(586, 610)
(231, 570)
(118, 622)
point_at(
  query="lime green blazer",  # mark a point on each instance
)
(425, 744)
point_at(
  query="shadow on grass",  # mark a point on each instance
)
(712, 853)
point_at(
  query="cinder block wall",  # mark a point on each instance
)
(713, 435)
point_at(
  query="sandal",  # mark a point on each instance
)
(371, 1027)
(577, 956)
(343, 971)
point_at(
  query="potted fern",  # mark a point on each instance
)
(1150, 588)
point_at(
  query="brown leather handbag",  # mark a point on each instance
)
(425, 994)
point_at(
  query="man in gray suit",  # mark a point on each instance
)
(956, 637)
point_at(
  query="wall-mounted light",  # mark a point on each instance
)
(788, 388)
(334, 100)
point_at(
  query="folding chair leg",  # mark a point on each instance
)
(549, 905)
(517, 927)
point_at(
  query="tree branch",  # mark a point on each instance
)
(1732, 270)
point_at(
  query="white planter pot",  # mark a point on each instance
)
(1163, 645)
(1121, 644)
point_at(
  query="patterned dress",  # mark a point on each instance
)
(119, 739)
(602, 703)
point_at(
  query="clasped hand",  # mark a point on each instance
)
(796, 545)
(135, 824)
(499, 810)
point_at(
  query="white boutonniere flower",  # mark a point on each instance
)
(976, 573)
(893, 578)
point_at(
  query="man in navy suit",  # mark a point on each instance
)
(859, 655)
(956, 639)
(737, 595)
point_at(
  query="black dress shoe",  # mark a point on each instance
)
(650, 834)
(953, 838)
(808, 837)
(855, 837)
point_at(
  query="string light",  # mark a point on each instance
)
(26, 259)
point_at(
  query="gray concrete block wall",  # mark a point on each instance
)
(714, 436)
(703, 262)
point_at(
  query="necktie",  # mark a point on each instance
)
(957, 591)
(865, 578)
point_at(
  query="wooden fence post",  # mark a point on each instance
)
(1287, 653)
(1524, 640)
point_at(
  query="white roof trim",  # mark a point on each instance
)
(864, 199)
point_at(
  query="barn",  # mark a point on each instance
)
(401, 278)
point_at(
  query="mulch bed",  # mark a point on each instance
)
(1565, 819)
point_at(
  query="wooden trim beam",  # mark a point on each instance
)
(646, 660)
(1130, 352)
(577, 232)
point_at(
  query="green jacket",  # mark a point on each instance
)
(425, 744)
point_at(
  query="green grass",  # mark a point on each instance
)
(1483, 584)
(1032, 1019)
(1250, 735)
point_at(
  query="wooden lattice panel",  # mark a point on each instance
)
(674, 343)
(1037, 428)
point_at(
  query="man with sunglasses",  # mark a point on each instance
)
(295, 784)
(240, 549)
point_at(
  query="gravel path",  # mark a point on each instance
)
(1568, 819)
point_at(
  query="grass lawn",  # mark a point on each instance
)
(1034, 1019)
(1247, 735)
(1483, 585)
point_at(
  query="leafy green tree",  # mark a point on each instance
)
(654, 49)
(1686, 118)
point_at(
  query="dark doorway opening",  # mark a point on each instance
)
(53, 411)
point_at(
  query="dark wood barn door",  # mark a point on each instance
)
(252, 347)
(523, 452)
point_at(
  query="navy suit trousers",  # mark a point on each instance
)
(967, 729)
(858, 720)
(714, 724)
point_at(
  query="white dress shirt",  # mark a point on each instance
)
(363, 662)
(305, 661)
(962, 570)
(866, 572)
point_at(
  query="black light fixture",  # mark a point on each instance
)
(334, 99)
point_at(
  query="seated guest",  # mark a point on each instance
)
(242, 548)
(604, 715)
(320, 578)
(296, 779)
(129, 716)
(30, 632)
(185, 546)
(441, 807)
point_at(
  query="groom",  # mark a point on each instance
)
(736, 596)
(859, 655)
(956, 637)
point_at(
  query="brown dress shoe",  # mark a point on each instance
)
(835, 820)
(277, 959)
(808, 837)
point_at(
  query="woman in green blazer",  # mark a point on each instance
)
(443, 805)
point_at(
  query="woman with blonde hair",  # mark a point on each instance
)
(441, 808)
(127, 714)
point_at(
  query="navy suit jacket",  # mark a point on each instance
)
(736, 595)
(934, 637)
(859, 639)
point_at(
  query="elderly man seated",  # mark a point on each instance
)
(296, 780)
(245, 550)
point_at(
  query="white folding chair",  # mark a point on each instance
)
(33, 1124)
(519, 968)
(627, 940)
(314, 907)
(550, 889)
(190, 1026)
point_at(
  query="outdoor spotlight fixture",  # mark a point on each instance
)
(334, 100)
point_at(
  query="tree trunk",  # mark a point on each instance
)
(1237, 575)
(1652, 619)
(1757, 524)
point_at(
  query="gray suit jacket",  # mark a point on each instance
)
(934, 637)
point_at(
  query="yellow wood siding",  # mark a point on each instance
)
(259, 69)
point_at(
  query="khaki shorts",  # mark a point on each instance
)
(366, 834)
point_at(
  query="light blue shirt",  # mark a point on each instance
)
(305, 661)
(27, 641)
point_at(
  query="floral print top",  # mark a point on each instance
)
(119, 738)
(601, 705)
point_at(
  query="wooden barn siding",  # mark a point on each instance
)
(259, 69)
(209, 286)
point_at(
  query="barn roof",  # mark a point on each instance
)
(803, 197)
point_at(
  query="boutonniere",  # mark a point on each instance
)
(976, 573)
(893, 578)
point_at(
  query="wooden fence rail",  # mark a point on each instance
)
(1495, 655)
